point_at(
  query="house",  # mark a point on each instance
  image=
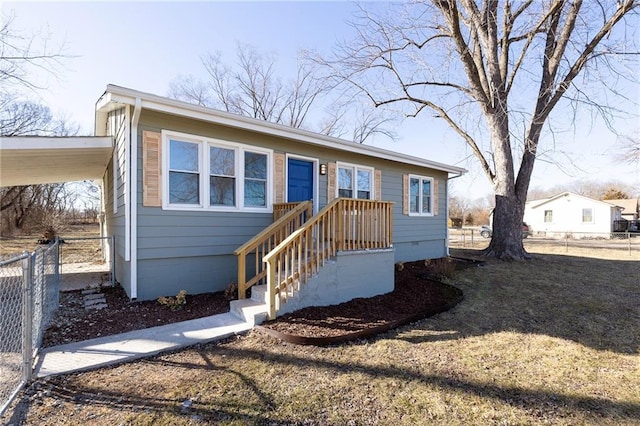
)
(568, 212)
(199, 198)
(630, 208)
(630, 221)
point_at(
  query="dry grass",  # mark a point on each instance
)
(553, 340)
(81, 244)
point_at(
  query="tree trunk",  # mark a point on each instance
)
(506, 239)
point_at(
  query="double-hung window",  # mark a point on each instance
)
(420, 195)
(222, 176)
(184, 172)
(548, 216)
(355, 181)
(210, 174)
(255, 179)
(587, 215)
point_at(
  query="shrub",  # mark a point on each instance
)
(176, 302)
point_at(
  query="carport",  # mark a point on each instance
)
(27, 160)
(31, 160)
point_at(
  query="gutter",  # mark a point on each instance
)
(133, 198)
(447, 210)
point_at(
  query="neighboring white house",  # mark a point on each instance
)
(571, 213)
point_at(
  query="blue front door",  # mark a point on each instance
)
(299, 180)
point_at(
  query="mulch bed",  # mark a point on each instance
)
(418, 294)
(74, 323)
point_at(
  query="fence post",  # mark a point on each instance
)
(629, 241)
(56, 273)
(27, 316)
(566, 242)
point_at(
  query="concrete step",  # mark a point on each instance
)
(259, 293)
(251, 311)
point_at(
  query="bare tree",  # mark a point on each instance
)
(629, 150)
(21, 55)
(253, 89)
(598, 190)
(493, 71)
(36, 206)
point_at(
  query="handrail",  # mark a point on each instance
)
(264, 241)
(280, 209)
(343, 224)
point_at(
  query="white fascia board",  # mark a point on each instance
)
(54, 142)
(121, 95)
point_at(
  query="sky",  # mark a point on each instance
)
(145, 45)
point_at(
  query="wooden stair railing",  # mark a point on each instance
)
(291, 217)
(343, 224)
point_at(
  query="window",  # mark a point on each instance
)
(255, 179)
(548, 216)
(356, 180)
(234, 176)
(587, 215)
(222, 176)
(184, 179)
(420, 195)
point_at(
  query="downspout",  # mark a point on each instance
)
(447, 211)
(133, 198)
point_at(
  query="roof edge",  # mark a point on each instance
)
(122, 95)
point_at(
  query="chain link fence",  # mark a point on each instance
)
(29, 297)
(569, 242)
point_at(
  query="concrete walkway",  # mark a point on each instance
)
(136, 344)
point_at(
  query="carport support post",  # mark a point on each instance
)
(27, 316)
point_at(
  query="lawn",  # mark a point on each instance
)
(554, 340)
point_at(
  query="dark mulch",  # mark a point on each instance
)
(74, 323)
(417, 294)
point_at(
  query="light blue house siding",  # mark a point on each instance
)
(193, 250)
(115, 181)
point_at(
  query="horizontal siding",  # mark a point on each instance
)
(195, 275)
(115, 222)
(406, 228)
(194, 249)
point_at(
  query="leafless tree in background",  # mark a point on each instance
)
(493, 71)
(629, 150)
(31, 206)
(253, 88)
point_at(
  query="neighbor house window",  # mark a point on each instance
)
(420, 195)
(234, 176)
(587, 215)
(548, 216)
(355, 181)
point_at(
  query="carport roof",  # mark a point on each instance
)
(27, 160)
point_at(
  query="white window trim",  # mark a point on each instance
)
(593, 215)
(420, 179)
(355, 168)
(204, 173)
(544, 216)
